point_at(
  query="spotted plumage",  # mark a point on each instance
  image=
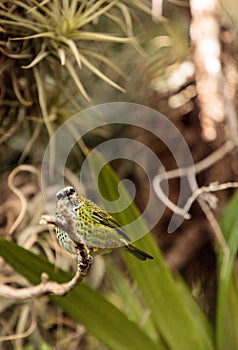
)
(98, 229)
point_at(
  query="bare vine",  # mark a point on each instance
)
(51, 287)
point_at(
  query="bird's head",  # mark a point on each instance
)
(69, 198)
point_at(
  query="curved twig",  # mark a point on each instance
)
(19, 193)
(45, 287)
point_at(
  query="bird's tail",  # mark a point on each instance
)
(140, 254)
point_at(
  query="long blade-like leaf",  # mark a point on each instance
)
(227, 301)
(154, 279)
(83, 304)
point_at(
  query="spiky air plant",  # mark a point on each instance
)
(62, 32)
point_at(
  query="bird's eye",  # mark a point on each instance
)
(65, 192)
(70, 191)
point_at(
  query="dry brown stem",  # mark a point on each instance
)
(19, 193)
(214, 224)
(192, 171)
(46, 286)
(203, 195)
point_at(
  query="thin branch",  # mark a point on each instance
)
(188, 171)
(45, 287)
(49, 287)
(163, 197)
(200, 166)
(206, 201)
(67, 225)
(19, 193)
(24, 334)
(213, 187)
(16, 88)
(214, 224)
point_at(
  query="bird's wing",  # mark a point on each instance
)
(102, 217)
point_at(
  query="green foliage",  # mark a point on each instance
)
(51, 46)
(83, 304)
(158, 289)
(227, 304)
(154, 281)
(173, 316)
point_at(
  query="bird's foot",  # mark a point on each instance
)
(84, 262)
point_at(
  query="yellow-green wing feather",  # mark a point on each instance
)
(100, 216)
(101, 229)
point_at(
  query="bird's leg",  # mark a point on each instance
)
(66, 223)
(84, 258)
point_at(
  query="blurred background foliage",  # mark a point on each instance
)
(57, 58)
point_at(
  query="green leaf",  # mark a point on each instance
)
(83, 304)
(130, 302)
(172, 313)
(76, 79)
(167, 304)
(101, 75)
(227, 301)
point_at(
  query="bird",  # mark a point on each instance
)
(99, 230)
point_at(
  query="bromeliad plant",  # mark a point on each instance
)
(45, 34)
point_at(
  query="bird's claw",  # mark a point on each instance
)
(84, 264)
